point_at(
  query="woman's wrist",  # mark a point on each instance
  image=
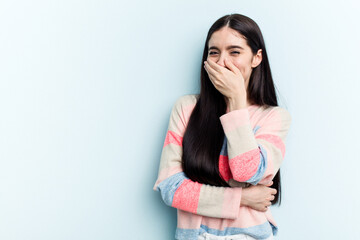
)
(236, 104)
(244, 201)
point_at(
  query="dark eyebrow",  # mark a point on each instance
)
(229, 47)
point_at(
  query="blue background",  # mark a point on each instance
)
(86, 89)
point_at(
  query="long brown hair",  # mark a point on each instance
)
(204, 135)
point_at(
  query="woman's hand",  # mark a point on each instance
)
(258, 197)
(230, 83)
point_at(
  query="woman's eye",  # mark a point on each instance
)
(233, 52)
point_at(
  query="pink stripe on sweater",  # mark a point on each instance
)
(231, 202)
(247, 217)
(186, 197)
(185, 114)
(172, 137)
(245, 165)
(234, 119)
(270, 217)
(224, 168)
(275, 140)
(165, 173)
(188, 220)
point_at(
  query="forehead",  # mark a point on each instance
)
(227, 36)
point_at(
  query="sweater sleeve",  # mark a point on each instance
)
(176, 189)
(255, 157)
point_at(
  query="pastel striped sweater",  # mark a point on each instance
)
(252, 152)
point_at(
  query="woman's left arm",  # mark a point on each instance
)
(255, 158)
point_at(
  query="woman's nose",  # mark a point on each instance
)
(221, 61)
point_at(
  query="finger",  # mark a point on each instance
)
(262, 208)
(212, 78)
(273, 191)
(231, 66)
(209, 69)
(213, 81)
(214, 65)
(270, 198)
(269, 184)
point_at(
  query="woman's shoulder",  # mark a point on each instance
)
(182, 110)
(188, 100)
(276, 112)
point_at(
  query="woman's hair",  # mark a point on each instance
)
(204, 135)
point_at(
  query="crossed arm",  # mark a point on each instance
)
(253, 158)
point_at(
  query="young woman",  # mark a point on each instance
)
(224, 146)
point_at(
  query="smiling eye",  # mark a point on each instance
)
(212, 53)
(235, 52)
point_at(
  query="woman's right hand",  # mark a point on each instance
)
(258, 197)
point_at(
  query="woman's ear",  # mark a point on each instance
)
(257, 59)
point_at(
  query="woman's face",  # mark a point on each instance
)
(228, 43)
